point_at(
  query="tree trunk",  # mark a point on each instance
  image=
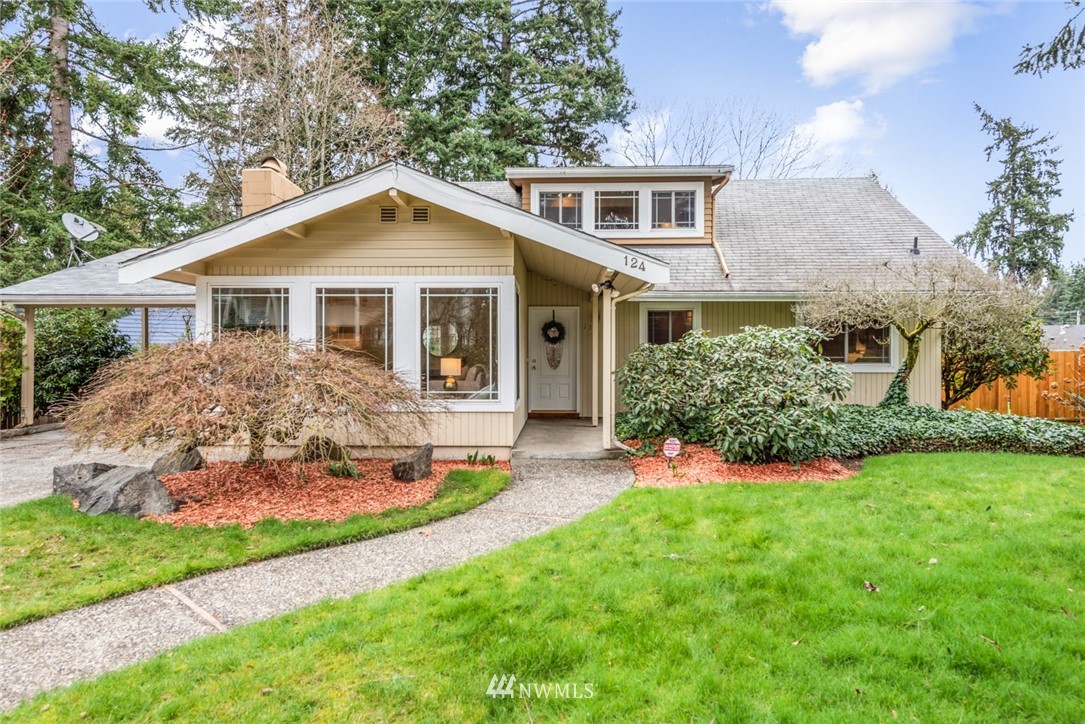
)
(257, 439)
(897, 393)
(60, 104)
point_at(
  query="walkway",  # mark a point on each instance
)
(90, 641)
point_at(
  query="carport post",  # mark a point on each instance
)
(27, 389)
(608, 343)
(144, 328)
(594, 359)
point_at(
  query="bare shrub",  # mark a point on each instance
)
(258, 385)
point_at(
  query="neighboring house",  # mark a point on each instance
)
(453, 284)
(1064, 337)
(165, 325)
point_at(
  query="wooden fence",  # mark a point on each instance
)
(1027, 398)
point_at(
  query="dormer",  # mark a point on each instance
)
(626, 204)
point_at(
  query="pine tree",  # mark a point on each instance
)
(1019, 236)
(71, 101)
(1066, 49)
(494, 83)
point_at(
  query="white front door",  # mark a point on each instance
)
(552, 369)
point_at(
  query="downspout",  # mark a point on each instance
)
(613, 307)
(715, 244)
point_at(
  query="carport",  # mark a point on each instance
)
(92, 284)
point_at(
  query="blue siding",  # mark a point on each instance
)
(167, 325)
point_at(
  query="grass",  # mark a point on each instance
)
(55, 558)
(736, 602)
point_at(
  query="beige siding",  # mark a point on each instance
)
(520, 416)
(353, 242)
(719, 318)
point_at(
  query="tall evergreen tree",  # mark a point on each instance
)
(494, 83)
(1065, 50)
(1020, 236)
(72, 98)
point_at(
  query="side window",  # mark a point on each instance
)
(668, 325)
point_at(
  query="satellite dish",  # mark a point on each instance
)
(80, 230)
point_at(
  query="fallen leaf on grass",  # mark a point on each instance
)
(871, 587)
(992, 642)
(266, 690)
(1068, 613)
(797, 641)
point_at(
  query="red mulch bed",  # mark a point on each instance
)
(701, 464)
(228, 493)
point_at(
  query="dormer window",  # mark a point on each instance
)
(626, 210)
(674, 209)
(617, 210)
(564, 208)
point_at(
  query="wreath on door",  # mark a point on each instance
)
(553, 333)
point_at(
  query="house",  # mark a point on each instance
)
(455, 284)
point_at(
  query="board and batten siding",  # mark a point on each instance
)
(868, 388)
(353, 241)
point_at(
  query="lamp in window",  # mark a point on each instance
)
(451, 368)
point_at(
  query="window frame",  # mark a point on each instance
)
(494, 293)
(673, 204)
(644, 213)
(539, 208)
(287, 289)
(874, 367)
(407, 340)
(633, 195)
(646, 307)
(321, 295)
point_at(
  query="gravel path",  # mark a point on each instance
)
(26, 463)
(90, 641)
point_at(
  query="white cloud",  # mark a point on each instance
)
(838, 127)
(879, 43)
(155, 126)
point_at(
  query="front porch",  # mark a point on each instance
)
(561, 439)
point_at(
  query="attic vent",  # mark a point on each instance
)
(420, 214)
(388, 215)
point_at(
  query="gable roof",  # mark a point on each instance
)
(95, 284)
(377, 180)
(778, 236)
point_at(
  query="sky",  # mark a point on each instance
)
(887, 86)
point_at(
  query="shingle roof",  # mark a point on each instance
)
(498, 190)
(1064, 336)
(778, 236)
(96, 279)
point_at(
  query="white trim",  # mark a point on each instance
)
(407, 345)
(701, 172)
(67, 300)
(644, 191)
(724, 296)
(379, 180)
(646, 306)
(880, 368)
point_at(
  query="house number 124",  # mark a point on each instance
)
(632, 262)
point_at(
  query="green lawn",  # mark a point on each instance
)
(731, 602)
(54, 558)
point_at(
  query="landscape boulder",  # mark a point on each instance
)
(415, 466)
(126, 490)
(178, 461)
(320, 449)
(73, 480)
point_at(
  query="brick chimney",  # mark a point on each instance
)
(265, 186)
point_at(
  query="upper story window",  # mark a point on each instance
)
(617, 210)
(859, 346)
(564, 208)
(674, 209)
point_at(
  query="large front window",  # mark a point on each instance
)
(674, 209)
(616, 210)
(459, 343)
(356, 321)
(855, 346)
(564, 208)
(251, 309)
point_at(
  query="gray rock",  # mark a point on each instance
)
(320, 449)
(415, 466)
(178, 461)
(75, 479)
(129, 491)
